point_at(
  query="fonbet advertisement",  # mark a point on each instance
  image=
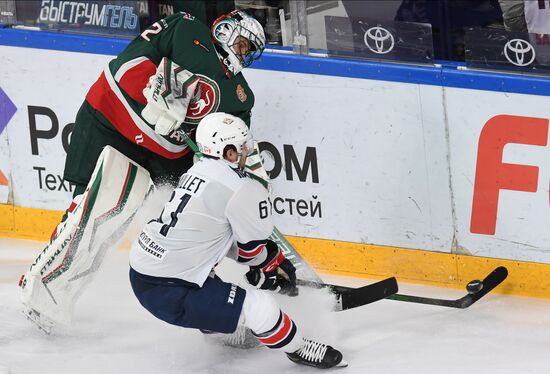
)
(500, 162)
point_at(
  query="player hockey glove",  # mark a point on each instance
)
(275, 273)
(168, 95)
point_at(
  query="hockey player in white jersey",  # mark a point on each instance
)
(216, 211)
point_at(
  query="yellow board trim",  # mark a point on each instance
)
(28, 223)
(423, 267)
(350, 259)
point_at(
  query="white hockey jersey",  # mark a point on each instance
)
(537, 16)
(214, 206)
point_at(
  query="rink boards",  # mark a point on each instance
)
(431, 174)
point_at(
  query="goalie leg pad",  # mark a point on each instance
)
(94, 222)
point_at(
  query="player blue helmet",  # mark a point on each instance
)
(241, 37)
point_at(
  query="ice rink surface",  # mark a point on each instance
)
(112, 333)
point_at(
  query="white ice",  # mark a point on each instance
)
(112, 333)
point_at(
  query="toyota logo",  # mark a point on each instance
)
(519, 52)
(379, 40)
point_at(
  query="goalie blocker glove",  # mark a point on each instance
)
(273, 274)
(168, 95)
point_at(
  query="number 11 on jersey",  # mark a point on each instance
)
(184, 199)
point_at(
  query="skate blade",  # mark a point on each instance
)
(42, 323)
(342, 364)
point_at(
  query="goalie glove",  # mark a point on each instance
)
(168, 95)
(275, 273)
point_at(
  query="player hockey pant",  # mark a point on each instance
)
(216, 306)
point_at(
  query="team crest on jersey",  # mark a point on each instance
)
(205, 101)
(241, 94)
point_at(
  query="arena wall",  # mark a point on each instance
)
(433, 174)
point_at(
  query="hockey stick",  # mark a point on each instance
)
(348, 297)
(351, 298)
(476, 290)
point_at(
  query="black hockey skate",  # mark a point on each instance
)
(317, 355)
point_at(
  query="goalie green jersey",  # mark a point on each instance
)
(117, 96)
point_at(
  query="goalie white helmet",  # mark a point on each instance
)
(226, 31)
(218, 130)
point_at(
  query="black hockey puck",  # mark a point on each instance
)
(474, 286)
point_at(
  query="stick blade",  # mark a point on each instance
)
(490, 282)
(368, 294)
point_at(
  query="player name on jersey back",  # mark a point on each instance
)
(191, 183)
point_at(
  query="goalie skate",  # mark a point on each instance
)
(42, 322)
(317, 355)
